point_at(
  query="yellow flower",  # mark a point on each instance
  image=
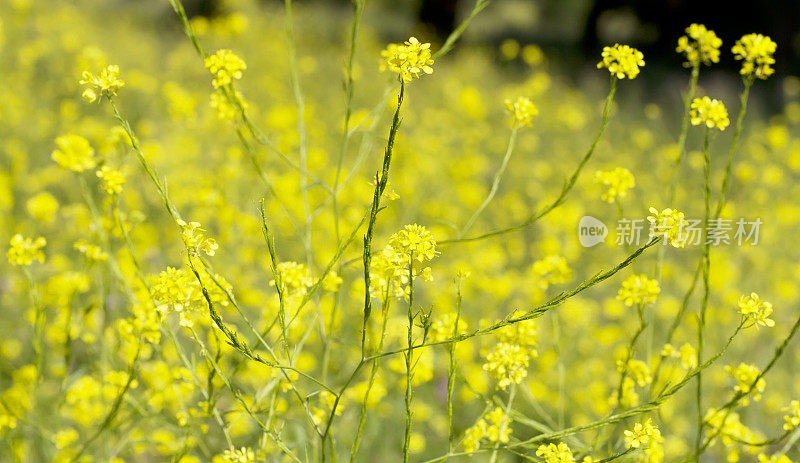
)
(710, 112)
(792, 418)
(762, 458)
(24, 251)
(415, 240)
(507, 363)
(643, 436)
(225, 66)
(555, 453)
(755, 310)
(621, 61)
(93, 253)
(111, 180)
(106, 84)
(242, 455)
(74, 153)
(195, 239)
(745, 375)
(522, 111)
(638, 289)
(617, 182)
(700, 45)
(408, 59)
(669, 224)
(755, 51)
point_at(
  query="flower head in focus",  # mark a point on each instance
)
(700, 45)
(755, 310)
(756, 52)
(74, 153)
(225, 66)
(408, 59)
(709, 112)
(195, 239)
(23, 251)
(555, 453)
(643, 436)
(522, 111)
(638, 289)
(621, 61)
(107, 83)
(669, 224)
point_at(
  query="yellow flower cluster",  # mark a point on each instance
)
(107, 83)
(225, 66)
(729, 428)
(242, 455)
(493, 426)
(700, 45)
(24, 251)
(295, 278)
(408, 59)
(792, 417)
(177, 290)
(745, 375)
(617, 182)
(92, 252)
(111, 180)
(74, 153)
(522, 111)
(669, 224)
(762, 458)
(755, 310)
(638, 289)
(755, 51)
(687, 354)
(194, 238)
(555, 453)
(551, 270)
(709, 112)
(643, 436)
(507, 363)
(637, 369)
(621, 61)
(389, 269)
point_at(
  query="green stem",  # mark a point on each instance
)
(706, 286)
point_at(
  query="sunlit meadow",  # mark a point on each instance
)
(275, 236)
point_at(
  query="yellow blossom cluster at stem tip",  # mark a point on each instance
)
(195, 239)
(763, 458)
(111, 180)
(74, 153)
(792, 418)
(745, 375)
(24, 251)
(522, 111)
(555, 453)
(755, 310)
(242, 455)
(700, 45)
(617, 182)
(756, 52)
(643, 436)
(507, 363)
(670, 224)
(225, 66)
(493, 426)
(709, 112)
(638, 289)
(408, 59)
(107, 83)
(621, 61)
